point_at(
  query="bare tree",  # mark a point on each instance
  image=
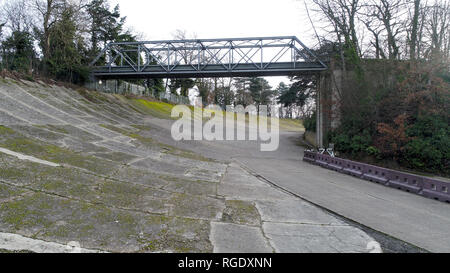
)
(414, 30)
(342, 18)
(187, 55)
(48, 11)
(436, 27)
(312, 24)
(397, 29)
(2, 23)
(390, 13)
(376, 30)
(17, 15)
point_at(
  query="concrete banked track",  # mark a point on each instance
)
(99, 173)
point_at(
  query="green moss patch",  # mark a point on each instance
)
(241, 212)
(196, 206)
(52, 153)
(5, 130)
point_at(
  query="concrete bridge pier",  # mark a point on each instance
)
(327, 104)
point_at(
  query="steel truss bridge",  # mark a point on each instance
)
(237, 57)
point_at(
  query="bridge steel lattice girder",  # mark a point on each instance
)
(232, 57)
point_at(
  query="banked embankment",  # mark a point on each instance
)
(81, 166)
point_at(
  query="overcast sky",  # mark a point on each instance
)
(158, 19)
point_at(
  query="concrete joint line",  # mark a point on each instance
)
(49, 105)
(307, 224)
(15, 116)
(33, 108)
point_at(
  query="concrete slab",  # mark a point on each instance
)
(299, 238)
(23, 112)
(19, 94)
(7, 119)
(14, 242)
(232, 238)
(241, 212)
(251, 193)
(196, 207)
(294, 210)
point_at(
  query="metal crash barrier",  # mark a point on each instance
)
(406, 182)
(435, 189)
(424, 186)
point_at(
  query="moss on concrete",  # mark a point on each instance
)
(5, 130)
(196, 206)
(176, 235)
(134, 211)
(53, 153)
(151, 143)
(27, 213)
(241, 212)
(181, 185)
(142, 127)
(8, 192)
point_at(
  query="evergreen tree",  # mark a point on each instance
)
(243, 96)
(302, 89)
(261, 91)
(204, 88)
(286, 97)
(18, 52)
(105, 25)
(1, 46)
(184, 84)
(67, 49)
(224, 95)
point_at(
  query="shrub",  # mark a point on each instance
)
(430, 148)
(353, 144)
(310, 123)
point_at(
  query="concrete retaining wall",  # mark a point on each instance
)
(311, 138)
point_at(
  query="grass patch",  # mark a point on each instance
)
(157, 109)
(292, 125)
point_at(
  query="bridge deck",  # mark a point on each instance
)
(187, 71)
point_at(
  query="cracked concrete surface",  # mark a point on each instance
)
(14, 242)
(123, 185)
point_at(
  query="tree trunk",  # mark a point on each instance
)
(415, 22)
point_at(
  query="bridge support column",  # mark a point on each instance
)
(319, 113)
(327, 105)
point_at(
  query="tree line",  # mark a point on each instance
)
(384, 29)
(57, 38)
(394, 61)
